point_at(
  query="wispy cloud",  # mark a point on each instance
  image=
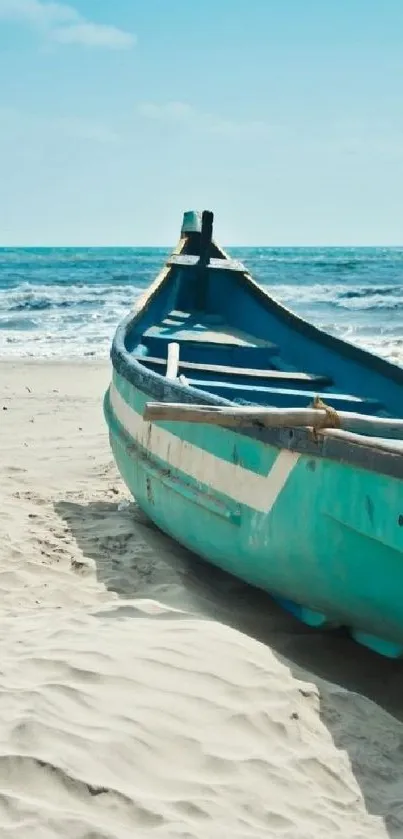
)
(84, 129)
(16, 124)
(63, 23)
(94, 35)
(167, 111)
(185, 114)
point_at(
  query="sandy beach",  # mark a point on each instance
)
(144, 694)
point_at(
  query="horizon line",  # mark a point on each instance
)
(171, 246)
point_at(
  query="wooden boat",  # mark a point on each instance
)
(263, 444)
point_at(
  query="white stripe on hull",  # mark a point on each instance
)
(242, 485)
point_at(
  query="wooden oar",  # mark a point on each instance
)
(237, 417)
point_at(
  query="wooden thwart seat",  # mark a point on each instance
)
(284, 395)
(189, 261)
(273, 375)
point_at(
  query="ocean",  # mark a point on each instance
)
(66, 302)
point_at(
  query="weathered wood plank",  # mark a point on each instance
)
(190, 260)
(275, 375)
(205, 333)
(275, 418)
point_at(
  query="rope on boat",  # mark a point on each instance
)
(331, 418)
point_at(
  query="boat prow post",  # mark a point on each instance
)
(199, 223)
(192, 222)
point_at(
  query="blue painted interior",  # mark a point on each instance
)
(272, 338)
(284, 397)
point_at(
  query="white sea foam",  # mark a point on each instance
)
(65, 303)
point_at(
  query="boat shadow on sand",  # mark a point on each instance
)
(135, 560)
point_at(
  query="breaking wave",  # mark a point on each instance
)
(67, 302)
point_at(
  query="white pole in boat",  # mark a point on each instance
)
(173, 361)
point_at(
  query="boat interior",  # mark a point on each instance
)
(238, 343)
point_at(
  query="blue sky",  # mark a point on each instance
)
(285, 117)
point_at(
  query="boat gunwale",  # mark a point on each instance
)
(336, 448)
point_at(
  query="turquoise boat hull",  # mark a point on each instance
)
(317, 524)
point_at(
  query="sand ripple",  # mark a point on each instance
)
(122, 717)
(180, 727)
